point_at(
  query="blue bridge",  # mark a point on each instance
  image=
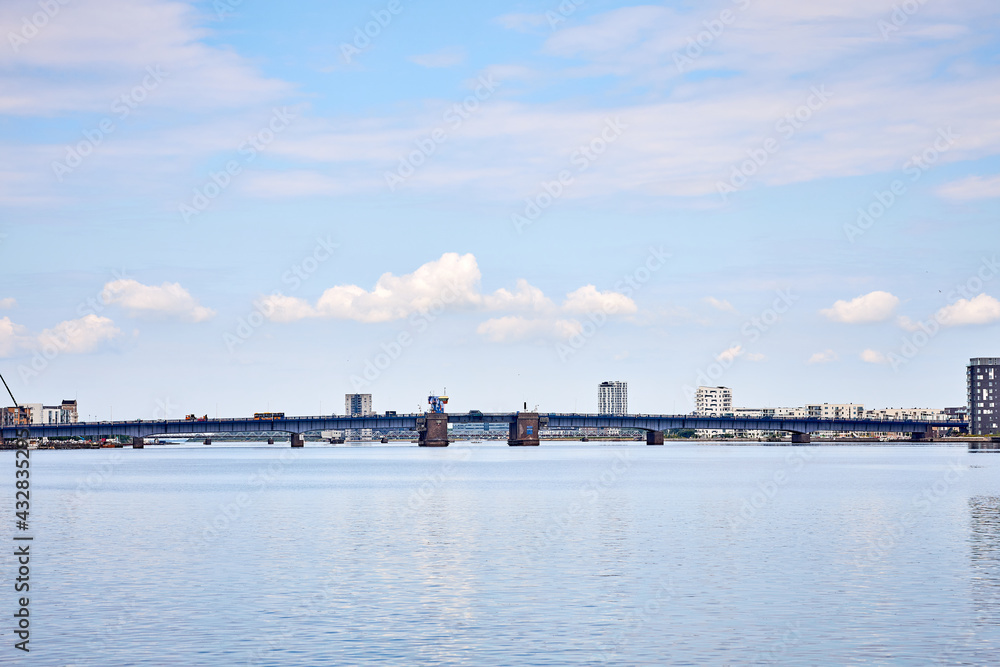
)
(432, 428)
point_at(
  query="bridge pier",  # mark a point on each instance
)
(433, 432)
(654, 437)
(524, 430)
(801, 438)
(298, 440)
(270, 441)
(138, 443)
(927, 436)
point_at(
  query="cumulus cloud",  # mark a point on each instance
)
(731, 354)
(9, 302)
(79, 336)
(12, 337)
(873, 357)
(873, 307)
(453, 282)
(70, 337)
(720, 304)
(169, 299)
(973, 187)
(823, 357)
(984, 309)
(514, 328)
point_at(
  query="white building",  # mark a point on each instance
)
(52, 414)
(612, 398)
(358, 405)
(713, 402)
(836, 411)
(717, 401)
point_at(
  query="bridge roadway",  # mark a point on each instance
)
(523, 426)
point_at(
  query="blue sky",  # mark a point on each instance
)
(236, 206)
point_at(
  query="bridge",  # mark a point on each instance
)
(432, 428)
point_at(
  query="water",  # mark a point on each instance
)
(566, 554)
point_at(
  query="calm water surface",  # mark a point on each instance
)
(486, 555)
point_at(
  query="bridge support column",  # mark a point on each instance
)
(922, 437)
(801, 438)
(138, 443)
(654, 437)
(433, 430)
(298, 440)
(270, 441)
(524, 430)
(208, 441)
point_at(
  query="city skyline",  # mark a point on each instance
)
(513, 205)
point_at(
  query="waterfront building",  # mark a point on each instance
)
(612, 398)
(713, 401)
(358, 405)
(983, 384)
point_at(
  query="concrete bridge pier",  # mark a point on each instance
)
(524, 430)
(654, 437)
(138, 443)
(298, 440)
(801, 438)
(208, 441)
(432, 430)
(927, 436)
(270, 441)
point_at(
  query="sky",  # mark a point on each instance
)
(237, 206)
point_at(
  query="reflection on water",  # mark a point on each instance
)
(561, 555)
(984, 552)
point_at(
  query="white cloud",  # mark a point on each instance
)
(9, 302)
(526, 297)
(168, 299)
(13, 337)
(873, 307)
(973, 187)
(448, 57)
(823, 357)
(70, 337)
(97, 51)
(513, 329)
(720, 304)
(731, 354)
(450, 283)
(984, 309)
(873, 357)
(79, 336)
(588, 300)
